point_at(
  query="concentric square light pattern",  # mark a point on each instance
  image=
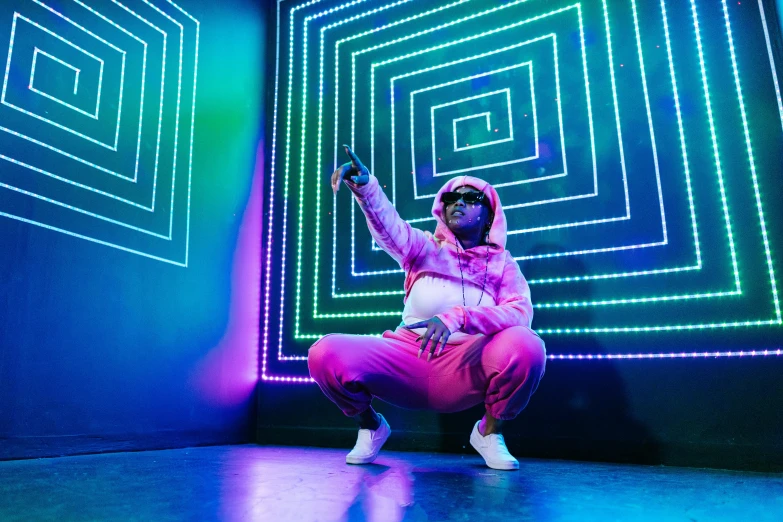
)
(633, 189)
(96, 121)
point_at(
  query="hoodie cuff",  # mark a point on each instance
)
(453, 319)
(362, 191)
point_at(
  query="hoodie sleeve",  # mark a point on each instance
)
(392, 233)
(513, 308)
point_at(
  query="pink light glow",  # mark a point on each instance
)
(229, 372)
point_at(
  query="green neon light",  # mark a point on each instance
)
(392, 271)
(605, 302)
(693, 223)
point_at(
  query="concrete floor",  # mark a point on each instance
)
(307, 484)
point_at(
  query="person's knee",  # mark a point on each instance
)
(323, 355)
(524, 349)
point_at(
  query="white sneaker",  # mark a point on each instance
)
(369, 444)
(493, 449)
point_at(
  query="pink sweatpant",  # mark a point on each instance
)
(502, 370)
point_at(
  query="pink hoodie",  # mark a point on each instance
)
(420, 253)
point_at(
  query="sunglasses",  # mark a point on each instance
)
(468, 197)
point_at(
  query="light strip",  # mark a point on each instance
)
(336, 105)
(606, 302)
(756, 192)
(160, 105)
(686, 167)
(70, 156)
(18, 16)
(122, 73)
(584, 60)
(513, 206)
(288, 146)
(747, 323)
(457, 148)
(145, 254)
(143, 83)
(88, 238)
(271, 213)
(412, 94)
(302, 162)
(654, 298)
(574, 304)
(455, 62)
(595, 357)
(715, 144)
(770, 54)
(151, 208)
(285, 207)
(192, 125)
(179, 103)
(320, 126)
(487, 119)
(77, 71)
(336, 112)
(659, 328)
(486, 115)
(360, 35)
(286, 175)
(318, 315)
(673, 355)
(696, 243)
(112, 196)
(473, 77)
(122, 82)
(738, 287)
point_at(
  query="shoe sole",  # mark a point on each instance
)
(503, 466)
(360, 460)
(366, 460)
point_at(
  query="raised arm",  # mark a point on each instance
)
(514, 307)
(392, 233)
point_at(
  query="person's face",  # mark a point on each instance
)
(465, 219)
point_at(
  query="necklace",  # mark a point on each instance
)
(462, 277)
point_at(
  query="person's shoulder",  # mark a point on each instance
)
(509, 257)
(432, 238)
(431, 244)
(510, 262)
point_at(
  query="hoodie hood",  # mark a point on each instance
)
(497, 233)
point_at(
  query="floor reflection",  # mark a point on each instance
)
(400, 490)
(253, 483)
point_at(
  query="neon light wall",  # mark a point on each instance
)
(131, 181)
(635, 146)
(105, 124)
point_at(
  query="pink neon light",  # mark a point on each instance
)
(680, 355)
(600, 356)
